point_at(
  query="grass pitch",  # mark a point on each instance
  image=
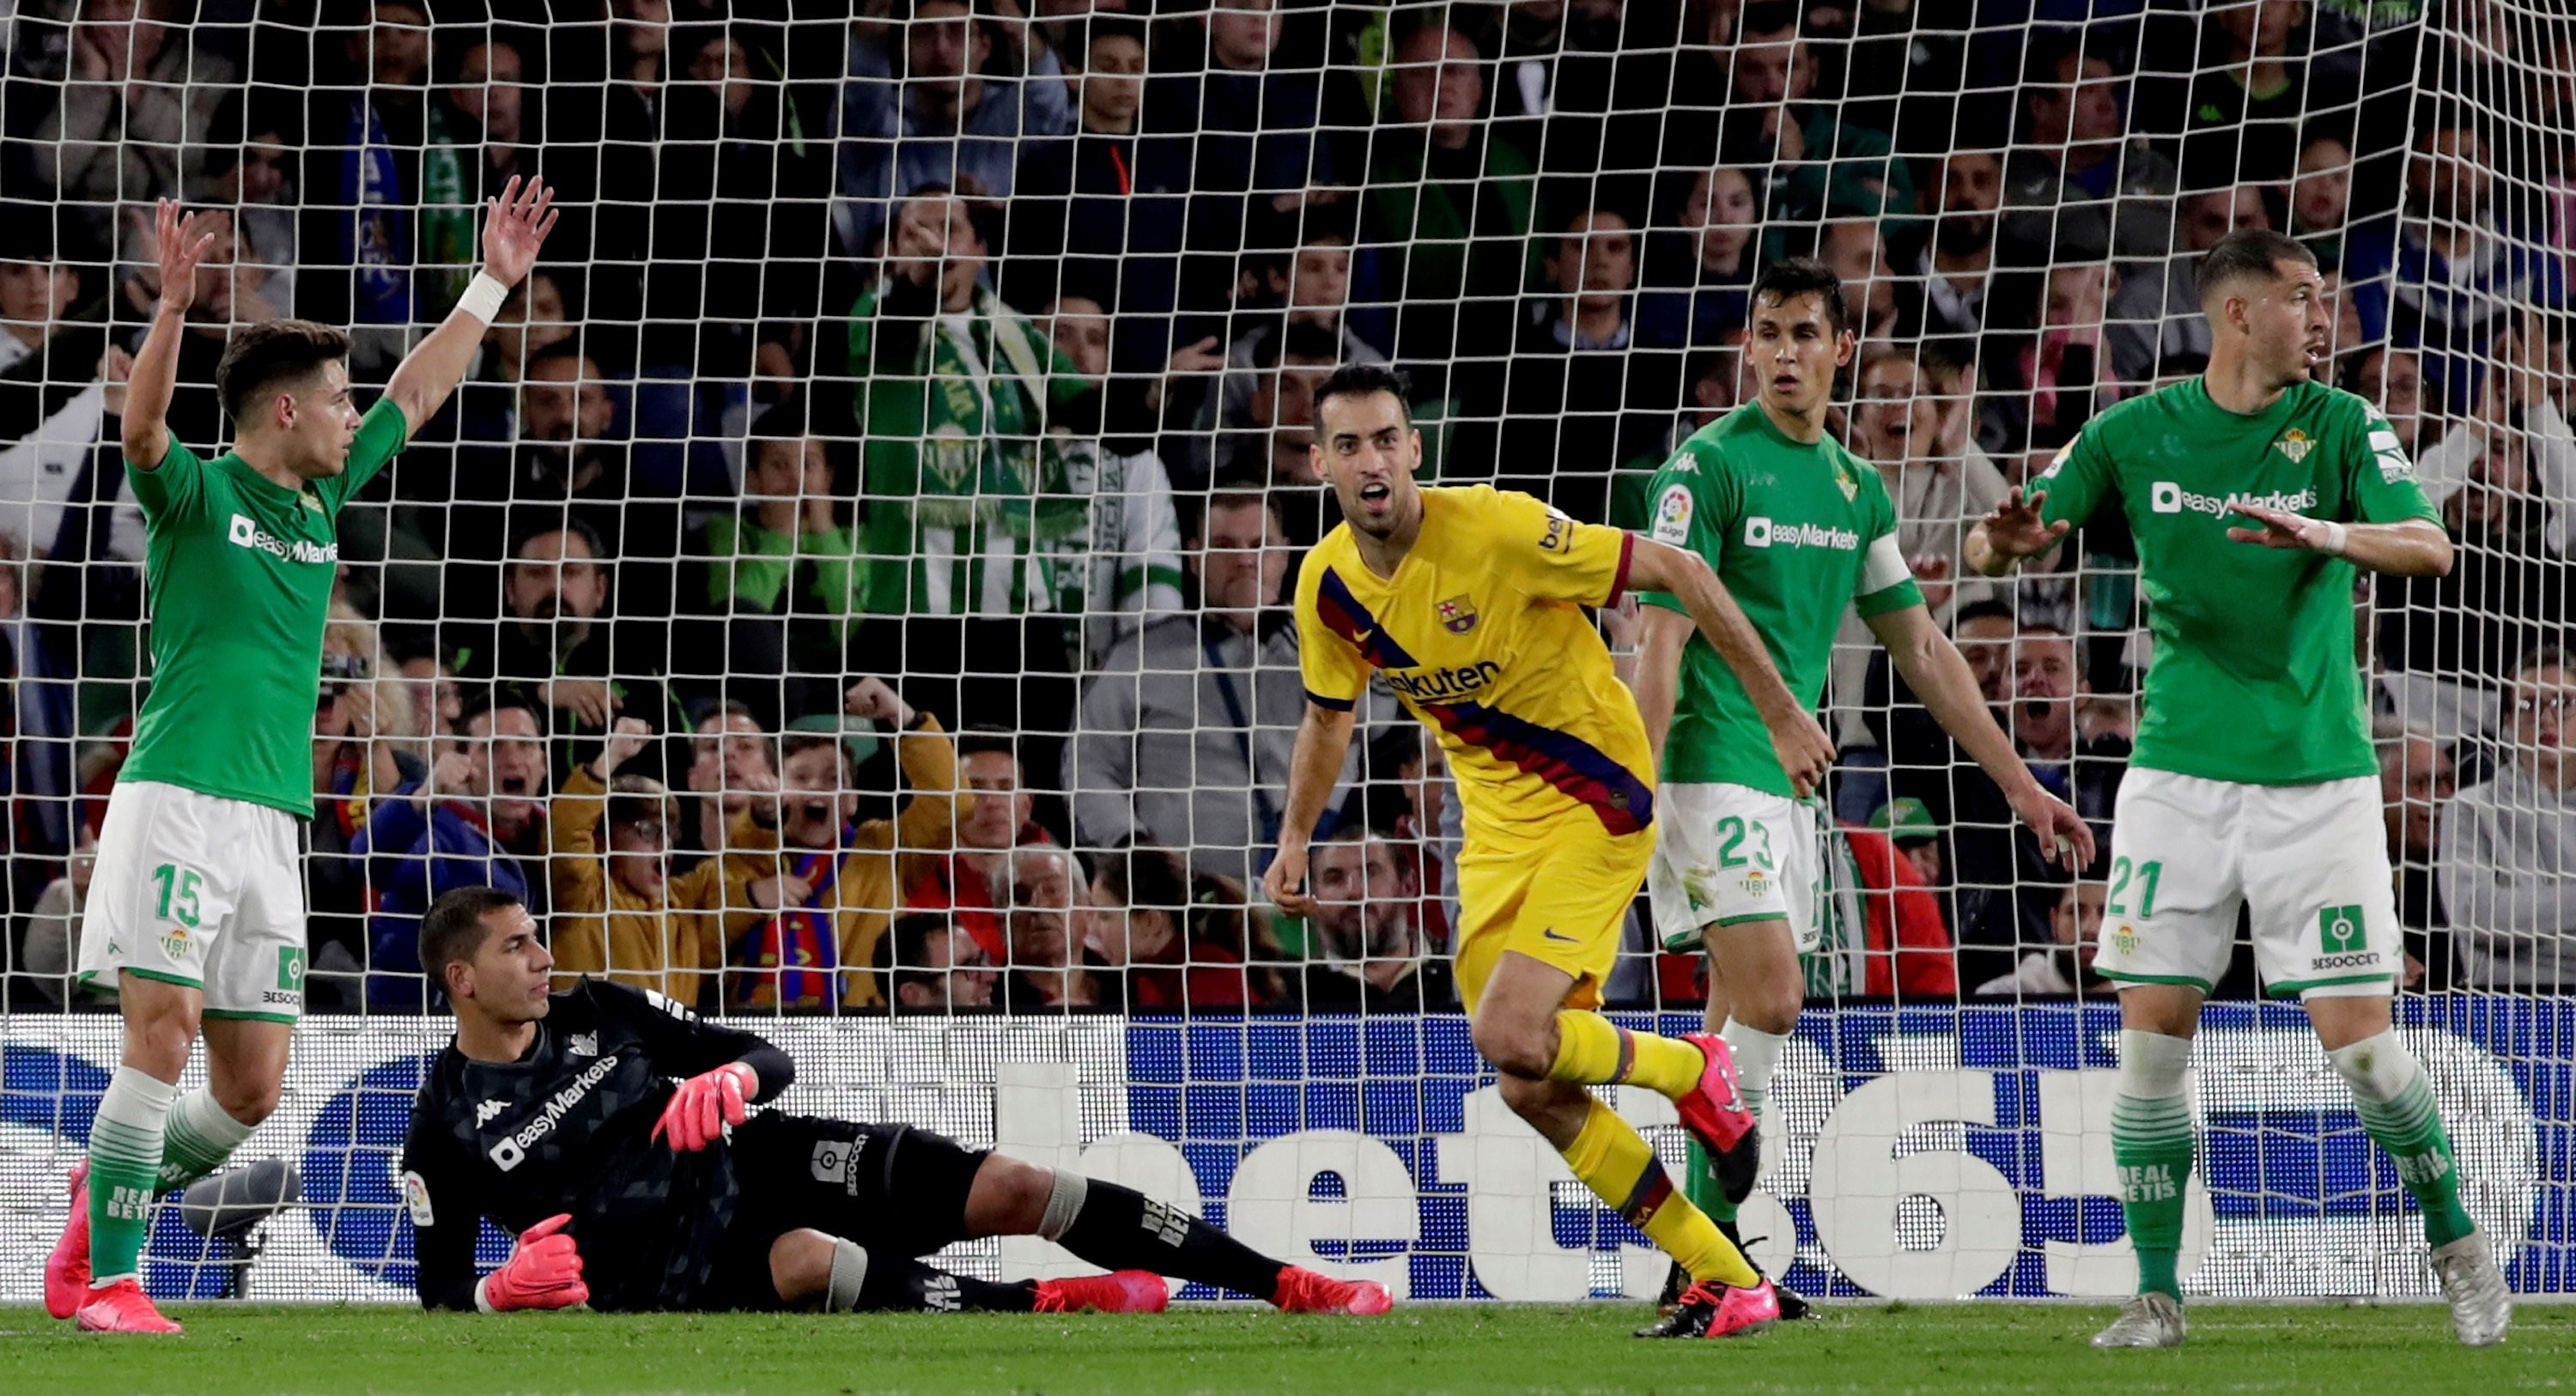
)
(2350, 1350)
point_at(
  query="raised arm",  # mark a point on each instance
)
(1939, 675)
(1323, 741)
(179, 247)
(1803, 748)
(514, 227)
(1661, 637)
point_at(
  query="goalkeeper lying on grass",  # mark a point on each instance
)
(611, 1129)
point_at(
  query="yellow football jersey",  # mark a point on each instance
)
(1482, 633)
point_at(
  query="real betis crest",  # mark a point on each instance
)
(1851, 487)
(1458, 614)
(2295, 444)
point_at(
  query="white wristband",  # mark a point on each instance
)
(482, 300)
(2336, 540)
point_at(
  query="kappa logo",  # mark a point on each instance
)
(583, 1044)
(484, 1112)
(1458, 615)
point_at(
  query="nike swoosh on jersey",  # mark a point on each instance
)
(1583, 771)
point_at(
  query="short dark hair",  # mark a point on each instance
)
(985, 736)
(1797, 276)
(899, 957)
(452, 930)
(1984, 610)
(270, 353)
(2247, 252)
(1363, 380)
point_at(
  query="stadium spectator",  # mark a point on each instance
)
(1127, 565)
(952, 115)
(1698, 276)
(556, 645)
(478, 820)
(534, 318)
(1450, 195)
(136, 108)
(807, 898)
(1906, 948)
(2079, 768)
(2075, 933)
(257, 181)
(1366, 950)
(481, 133)
(2462, 260)
(48, 948)
(1851, 247)
(2076, 183)
(1253, 120)
(1902, 427)
(1269, 438)
(973, 884)
(2246, 108)
(2518, 413)
(1947, 292)
(732, 765)
(2507, 591)
(927, 964)
(2047, 382)
(362, 172)
(2417, 780)
(1565, 387)
(2360, 247)
(2509, 842)
(1910, 831)
(1312, 284)
(964, 478)
(1821, 163)
(2392, 379)
(49, 356)
(783, 573)
(1048, 971)
(1710, 389)
(1174, 941)
(738, 223)
(1186, 727)
(618, 910)
(2155, 315)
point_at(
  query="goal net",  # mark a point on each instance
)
(908, 432)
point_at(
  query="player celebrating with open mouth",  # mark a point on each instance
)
(557, 1116)
(197, 913)
(1471, 603)
(2254, 781)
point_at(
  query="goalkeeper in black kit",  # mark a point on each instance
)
(611, 1130)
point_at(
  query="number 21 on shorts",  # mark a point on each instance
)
(2145, 874)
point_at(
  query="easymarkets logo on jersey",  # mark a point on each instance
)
(245, 533)
(1760, 532)
(2166, 497)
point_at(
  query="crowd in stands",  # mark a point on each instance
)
(853, 575)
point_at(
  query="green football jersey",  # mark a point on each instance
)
(2253, 677)
(1798, 533)
(238, 571)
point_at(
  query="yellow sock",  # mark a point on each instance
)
(1621, 1169)
(1593, 1051)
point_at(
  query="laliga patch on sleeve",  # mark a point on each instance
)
(2064, 453)
(1673, 515)
(415, 1191)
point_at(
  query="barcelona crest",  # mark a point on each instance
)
(1459, 614)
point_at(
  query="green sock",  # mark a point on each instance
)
(124, 1171)
(196, 1140)
(2151, 1143)
(2410, 1129)
(1699, 1184)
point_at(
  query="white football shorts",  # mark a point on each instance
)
(199, 890)
(1729, 854)
(2311, 861)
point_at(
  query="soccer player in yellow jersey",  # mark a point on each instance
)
(1471, 603)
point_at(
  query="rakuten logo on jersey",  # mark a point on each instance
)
(2166, 497)
(1760, 532)
(247, 534)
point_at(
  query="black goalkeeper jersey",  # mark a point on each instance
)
(568, 1128)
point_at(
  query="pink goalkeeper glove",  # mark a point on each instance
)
(705, 1104)
(543, 1273)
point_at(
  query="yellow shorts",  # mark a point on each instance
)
(1562, 901)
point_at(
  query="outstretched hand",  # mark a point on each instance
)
(515, 226)
(2064, 837)
(2281, 528)
(178, 247)
(2015, 528)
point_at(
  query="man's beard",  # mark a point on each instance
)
(1962, 235)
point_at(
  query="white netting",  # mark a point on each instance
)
(746, 442)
